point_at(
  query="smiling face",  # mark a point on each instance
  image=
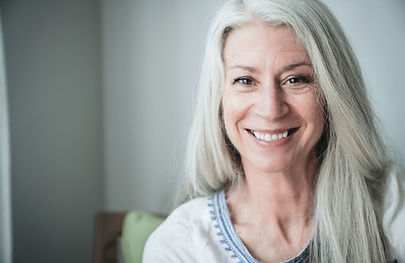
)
(270, 107)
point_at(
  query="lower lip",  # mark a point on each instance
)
(276, 143)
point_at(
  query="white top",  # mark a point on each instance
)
(201, 230)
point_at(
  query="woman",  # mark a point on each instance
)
(285, 162)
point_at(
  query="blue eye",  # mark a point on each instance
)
(245, 81)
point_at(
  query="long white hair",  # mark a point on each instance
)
(352, 158)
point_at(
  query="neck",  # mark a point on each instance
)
(280, 203)
(285, 195)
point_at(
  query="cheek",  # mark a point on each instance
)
(319, 112)
(310, 109)
(228, 115)
(315, 117)
(233, 111)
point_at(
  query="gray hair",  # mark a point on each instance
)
(352, 158)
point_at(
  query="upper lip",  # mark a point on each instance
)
(272, 131)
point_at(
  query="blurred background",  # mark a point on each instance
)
(96, 100)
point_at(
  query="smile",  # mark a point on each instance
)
(269, 137)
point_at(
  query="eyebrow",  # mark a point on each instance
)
(287, 67)
(296, 65)
(247, 68)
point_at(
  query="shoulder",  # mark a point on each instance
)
(176, 239)
(394, 211)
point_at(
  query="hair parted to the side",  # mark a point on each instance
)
(352, 155)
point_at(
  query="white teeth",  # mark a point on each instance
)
(270, 137)
(285, 134)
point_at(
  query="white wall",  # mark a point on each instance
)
(5, 185)
(152, 53)
(376, 31)
(54, 84)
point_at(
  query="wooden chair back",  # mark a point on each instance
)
(107, 231)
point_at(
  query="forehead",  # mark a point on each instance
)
(258, 42)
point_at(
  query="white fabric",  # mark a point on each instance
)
(5, 203)
(394, 212)
(188, 235)
(195, 231)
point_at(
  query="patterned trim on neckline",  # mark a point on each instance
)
(230, 239)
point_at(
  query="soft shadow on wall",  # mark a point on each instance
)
(53, 66)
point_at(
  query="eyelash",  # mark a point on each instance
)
(301, 79)
(297, 79)
(241, 81)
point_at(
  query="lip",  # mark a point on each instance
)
(275, 143)
(270, 131)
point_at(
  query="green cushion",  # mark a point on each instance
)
(138, 225)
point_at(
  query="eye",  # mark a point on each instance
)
(245, 81)
(297, 79)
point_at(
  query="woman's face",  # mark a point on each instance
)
(270, 104)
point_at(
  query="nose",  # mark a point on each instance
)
(271, 104)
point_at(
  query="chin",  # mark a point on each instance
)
(270, 165)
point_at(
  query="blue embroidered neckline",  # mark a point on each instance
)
(228, 236)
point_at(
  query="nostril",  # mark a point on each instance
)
(271, 104)
(272, 111)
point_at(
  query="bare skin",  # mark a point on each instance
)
(273, 215)
(273, 117)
